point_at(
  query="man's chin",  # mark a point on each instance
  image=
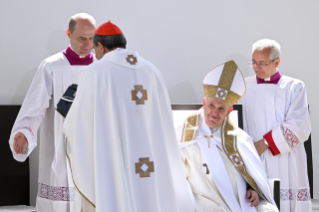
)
(262, 75)
(213, 125)
(84, 53)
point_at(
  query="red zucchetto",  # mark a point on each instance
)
(108, 28)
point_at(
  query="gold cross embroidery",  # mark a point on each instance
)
(211, 136)
(131, 59)
(236, 159)
(139, 95)
(144, 167)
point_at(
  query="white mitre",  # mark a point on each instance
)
(225, 82)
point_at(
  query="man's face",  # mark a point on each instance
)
(215, 112)
(81, 39)
(263, 57)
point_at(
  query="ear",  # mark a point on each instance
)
(68, 33)
(277, 62)
(204, 101)
(101, 48)
(230, 110)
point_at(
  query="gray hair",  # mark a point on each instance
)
(268, 44)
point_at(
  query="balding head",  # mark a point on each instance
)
(82, 17)
(80, 32)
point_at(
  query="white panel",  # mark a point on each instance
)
(212, 78)
(238, 85)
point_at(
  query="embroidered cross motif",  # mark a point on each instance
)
(207, 170)
(139, 95)
(221, 93)
(131, 59)
(144, 167)
(236, 159)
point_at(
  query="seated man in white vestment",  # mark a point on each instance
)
(55, 74)
(220, 161)
(120, 134)
(275, 111)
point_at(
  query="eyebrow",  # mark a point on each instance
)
(259, 61)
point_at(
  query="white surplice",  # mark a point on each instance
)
(282, 109)
(121, 141)
(54, 76)
(215, 182)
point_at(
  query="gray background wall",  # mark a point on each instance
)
(184, 39)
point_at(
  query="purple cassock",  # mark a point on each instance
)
(75, 59)
(274, 79)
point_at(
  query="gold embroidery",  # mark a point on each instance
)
(144, 167)
(139, 95)
(131, 59)
(221, 93)
(227, 76)
(229, 143)
(66, 152)
(210, 91)
(211, 136)
(222, 90)
(190, 127)
(232, 98)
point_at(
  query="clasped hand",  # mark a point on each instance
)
(253, 197)
(20, 143)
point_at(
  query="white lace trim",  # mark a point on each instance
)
(56, 193)
(302, 194)
(290, 137)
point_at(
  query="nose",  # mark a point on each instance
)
(214, 112)
(87, 42)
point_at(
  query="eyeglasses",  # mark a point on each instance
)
(253, 63)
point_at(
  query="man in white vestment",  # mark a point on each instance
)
(220, 161)
(276, 116)
(120, 134)
(54, 76)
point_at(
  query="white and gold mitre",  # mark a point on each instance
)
(225, 83)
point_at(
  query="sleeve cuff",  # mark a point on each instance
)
(272, 146)
(31, 145)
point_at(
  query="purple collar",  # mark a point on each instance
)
(75, 59)
(274, 79)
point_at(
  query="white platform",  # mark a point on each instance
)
(19, 208)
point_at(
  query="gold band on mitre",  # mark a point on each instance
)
(222, 91)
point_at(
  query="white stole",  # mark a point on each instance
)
(220, 176)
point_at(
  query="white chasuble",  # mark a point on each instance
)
(55, 186)
(212, 171)
(279, 113)
(121, 141)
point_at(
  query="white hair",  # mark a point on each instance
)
(268, 44)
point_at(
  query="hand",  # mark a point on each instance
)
(260, 146)
(253, 197)
(20, 143)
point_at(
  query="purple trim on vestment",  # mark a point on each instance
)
(75, 59)
(274, 79)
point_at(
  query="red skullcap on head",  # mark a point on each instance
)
(108, 29)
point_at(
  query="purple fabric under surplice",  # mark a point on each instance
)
(75, 59)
